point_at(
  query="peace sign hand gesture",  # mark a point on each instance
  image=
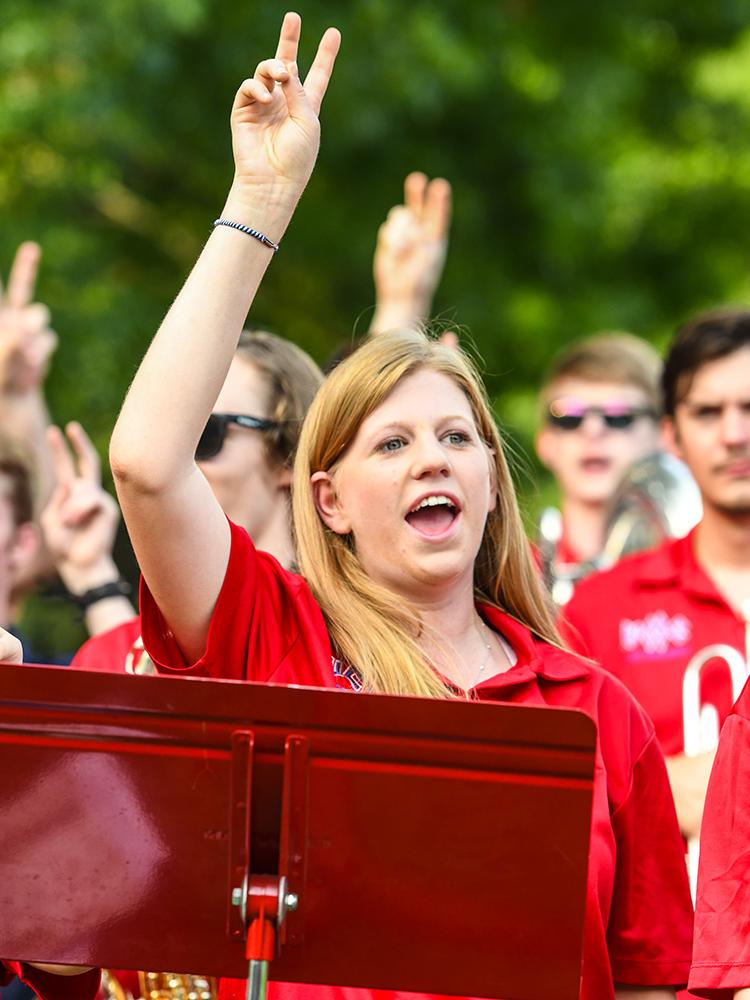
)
(26, 340)
(80, 521)
(275, 127)
(412, 246)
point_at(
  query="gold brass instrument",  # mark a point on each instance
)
(559, 579)
(700, 723)
(161, 986)
(171, 986)
(656, 499)
(112, 989)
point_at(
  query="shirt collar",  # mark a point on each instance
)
(673, 563)
(535, 658)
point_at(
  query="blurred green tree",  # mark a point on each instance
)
(598, 155)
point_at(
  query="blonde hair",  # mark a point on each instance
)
(372, 628)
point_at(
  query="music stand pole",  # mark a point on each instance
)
(268, 900)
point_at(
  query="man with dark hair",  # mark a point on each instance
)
(657, 618)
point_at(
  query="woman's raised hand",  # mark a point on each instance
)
(275, 127)
(164, 498)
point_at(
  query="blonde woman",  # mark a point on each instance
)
(416, 576)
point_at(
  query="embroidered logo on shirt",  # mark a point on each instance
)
(657, 632)
(345, 675)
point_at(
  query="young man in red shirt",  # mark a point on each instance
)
(601, 403)
(656, 618)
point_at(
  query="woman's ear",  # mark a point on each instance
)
(328, 504)
(493, 479)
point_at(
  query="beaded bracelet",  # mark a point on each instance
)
(250, 232)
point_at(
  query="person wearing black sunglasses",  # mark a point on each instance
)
(245, 452)
(600, 408)
(247, 446)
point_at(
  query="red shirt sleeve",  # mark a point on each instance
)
(651, 923)
(266, 625)
(48, 986)
(721, 951)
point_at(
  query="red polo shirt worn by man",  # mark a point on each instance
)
(649, 617)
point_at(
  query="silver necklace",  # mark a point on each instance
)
(488, 647)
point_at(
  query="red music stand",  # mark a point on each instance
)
(357, 840)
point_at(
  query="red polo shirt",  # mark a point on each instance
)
(721, 950)
(267, 627)
(645, 619)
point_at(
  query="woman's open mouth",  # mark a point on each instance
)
(434, 516)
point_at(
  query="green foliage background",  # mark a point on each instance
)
(599, 153)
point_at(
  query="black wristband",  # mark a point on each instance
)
(116, 588)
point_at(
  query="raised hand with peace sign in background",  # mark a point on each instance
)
(26, 339)
(79, 525)
(27, 343)
(410, 254)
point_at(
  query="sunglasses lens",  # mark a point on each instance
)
(211, 440)
(616, 420)
(566, 421)
(619, 421)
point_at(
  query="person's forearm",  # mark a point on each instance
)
(406, 315)
(106, 613)
(180, 377)
(688, 778)
(24, 419)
